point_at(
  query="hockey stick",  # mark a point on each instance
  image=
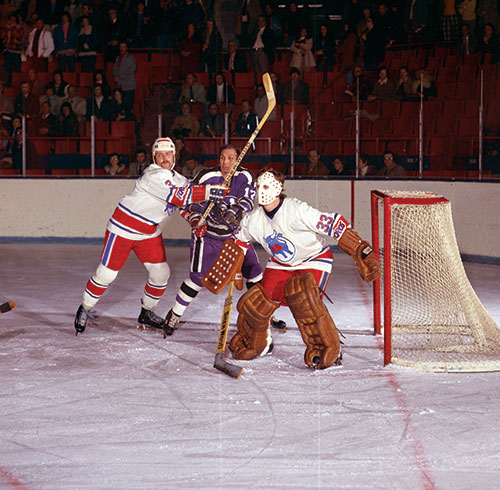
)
(271, 104)
(5, 307)
(219, 362)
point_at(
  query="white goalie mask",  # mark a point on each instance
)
(268, 188)
(163, 144)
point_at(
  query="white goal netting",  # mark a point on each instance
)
(438, 322)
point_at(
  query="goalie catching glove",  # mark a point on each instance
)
(364, 258)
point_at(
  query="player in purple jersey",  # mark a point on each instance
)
(208, 238)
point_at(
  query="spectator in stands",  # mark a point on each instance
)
(352, 77)
(211, 59)
(467, 43)
(185, 124)
(113, 31)
(100, 79)
(115, 167)
(276, 86)
(65, 43)
(12, 36)
(273, 21)
(247, 120)
(181, 153)
(295, 90)
(294, 21)
(74, 10)
(58, 84)
(373, 44)
(190, 50)
(404, 85)
(192, 91)
(365, 168)
(51, 11)
(69, 122)
(54, 101)
(124, 73)
(450, 21)
(247, 15)
(32, 160)
(488, 42)
(6, 107)
(164, 20)
(98, 105)
(26, 103)
(429, 85)
(302, 58)
(234, 61)
(348, 50)
(391, 168)
(45, 123)
(324, 49)
(352, 13)
(40, 45)
(487, 11)
(467, 10)
(191, 12)
(212, 123)
(88, 43)
(315, 167)
(220, 91)
(88, 11)
(78, 104)
(37, 85)
(192, 168)
(416, 19)
(140, 29)
(260, 104)
(383, 88)
(119, 111)
(263, 45)
(389, 24)
(139, 164)
(339, 167)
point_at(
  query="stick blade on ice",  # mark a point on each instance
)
(5, 307)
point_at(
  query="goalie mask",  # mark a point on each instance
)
(268, 188)
(163, 144)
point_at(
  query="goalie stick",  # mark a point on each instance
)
(5, 307)
(219, 362)
(271, 104)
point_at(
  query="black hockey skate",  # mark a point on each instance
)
(149, 318)
(82, 316)
(279, 325)
(171, 323)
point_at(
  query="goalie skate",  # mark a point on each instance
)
(279, 325)
(149, 318)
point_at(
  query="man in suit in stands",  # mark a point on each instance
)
(247, 120)
(220, 92)
(234, 61)
(263, 45)
(391, 168)
(192, 91)
(295, 89)
(467, 43)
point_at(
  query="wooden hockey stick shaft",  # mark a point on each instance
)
(271, 104)
(219, 362)
(5, 307)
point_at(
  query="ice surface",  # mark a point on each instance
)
(121, 408)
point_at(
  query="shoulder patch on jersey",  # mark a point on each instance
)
(280, 247)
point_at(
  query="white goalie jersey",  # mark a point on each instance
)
(138, 214)
(294, 234)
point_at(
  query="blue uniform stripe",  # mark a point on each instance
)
(108, 248)
(124, 228)
(136, 215)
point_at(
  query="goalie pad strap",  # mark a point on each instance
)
(225, 268)
(366, 262)
(252, 338)
(316, 326)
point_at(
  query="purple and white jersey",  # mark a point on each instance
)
(294, 236)
(241, 195)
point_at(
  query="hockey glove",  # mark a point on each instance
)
(216, 193)
(194, 220)
(233, 216)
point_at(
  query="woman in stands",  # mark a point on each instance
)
(87, 46)
(190, 49)
(488, 42)
(100, 79)
(115, 166)
(303, 58)
(69, 124)
(119, 110)
(58, 84)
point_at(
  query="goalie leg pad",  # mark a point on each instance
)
(316, 326)
(253, 337)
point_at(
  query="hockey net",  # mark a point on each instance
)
(432, 318)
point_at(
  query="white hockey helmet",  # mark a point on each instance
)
(163, 144)
(268, 188)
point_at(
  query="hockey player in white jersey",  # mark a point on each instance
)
(134, 225)
(297, 272)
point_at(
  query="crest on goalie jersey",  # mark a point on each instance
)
(280, 247)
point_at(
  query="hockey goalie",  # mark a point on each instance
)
(297, 272)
